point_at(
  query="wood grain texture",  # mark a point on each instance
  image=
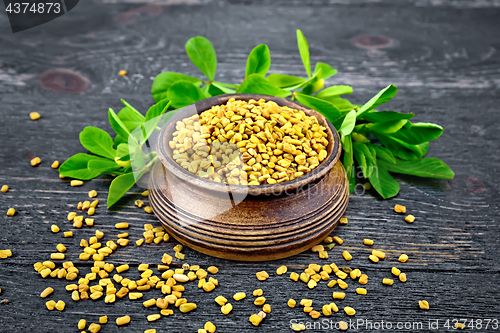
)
(444, 60)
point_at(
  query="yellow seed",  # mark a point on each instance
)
(11, 212)
(36, 161)
(361, 291)
(122, 242)
(154, 317)
(94, 203)
(259, 301)
(410, 218)
(122, 268)
(61, 247)
(363, 279)
(75, 182)
(180, 278)
(314, 314)
(139, 242)
(94, 328)
(343, 325)
(34, 115)
(239, 296)
(5, 188)
(402, 277)
(54, 228)
(395, 271)
(347, 256)
(148, 210)
(368, 242)
(328, 240)
(187, 307)
(145, 193)
(4, 254)
(306, 302)
(378, 254)
(332, 283)
(338, 240)
(298, 327)
(294, 276)
(317, 248)
(323, 254)
(342, 284)
(266, 308)
(57, 256)
(312, 284)
(208, 286)
(167, 312)
(121, 225)
(122, 320)
(343, 220)
(151, 330)
(221, 300)
(133, 296)
(291, 303)
(341, 274)
(403, 258)
(213, 270)
(327, 310)
(91, 211)
(388, 282)
(262, 275)
(81, 324)
(255, 319)
(122, 72)
(337, 295)
(51, 305)
(180, 256)
(258, 292)
(226, 309)
(424, 305)
(60, 305)
(459, 325)
(304, 277)
(209, 327)
(139, 203)
(373, 258)
(349, 311)
(334, 307)
(355, 274)
(400, 209)
(46, 292)
(92, 194)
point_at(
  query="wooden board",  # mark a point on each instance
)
(442, 55)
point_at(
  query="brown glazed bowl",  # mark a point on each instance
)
(249, 223)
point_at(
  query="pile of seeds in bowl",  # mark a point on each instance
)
(249, 143)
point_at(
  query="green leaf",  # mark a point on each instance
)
(349, 163)
(419, 133)
(158, 109)
(119, 139)
(184, 93)
(227, 85)
(387, 127)
(383, 153)
(201, 52)
(361, 160)
(382, 97)
(346, 142)
(257, 84)
(98, 142)
(117, 125)
(150, 125)
(366, 158)
(119, 187)
(383, 116)
(340, 103)
(304, 52)
(103, 166)
(402, 149)
(329, 111)
(165, 80)
(123, 151)
(168, 115)
(334, 91)
(215, 89)
(424, 167)
(76, 167)
(348, 123)
(285, 81)
(326, 70)
(383, 182)
(259, 60)
(130, 117)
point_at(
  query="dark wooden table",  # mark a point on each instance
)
(444, 57)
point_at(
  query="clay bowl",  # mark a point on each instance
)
(249, 223)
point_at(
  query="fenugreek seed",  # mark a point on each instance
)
(122, 268)
(388, 282)
(361, 291)
(209, 327)
(342, 284)
(94, 203)
(294, 276)
(259, 301)
(187, 307)
(61, 247)
(395, 271)
(378, 254)
(266, 308)
(349, 311)
(298, 327)
(122, 72)
(154, 317)
(208, 286)
(343, 325)
(91, 211)
(54, 228)
(410, 218)
(145, 193)
(213, 270)
(332, 283)
(46, 292)
(180, 256)
(122, 320)
(343, 220)
(347, 256)
(355, 274)
(60, 305)
(368, 242)
(139, 203)
(330, 246)
(148, 210)
(403, 258)
(255, 319)
(337, 295)
(75, 182)
(121, 225)
(139, 242)
(5, 188)
(424, 305)
(81, 324)
(400, 209)
(34, 115)
(221, 300)
(317, 248)
(373, 258)
(338, 240)
(51, 305)
(314, 314)
(312, 284)
(291, 303)
(180, 278)
(402, 277)
(36, 161)
(459, 325)
(328, 240)
(57, 256)
(341, 274)
(327, 310)
(239, 296)
(363, 279)
(226, 309)
(11, 212)
(262, 275)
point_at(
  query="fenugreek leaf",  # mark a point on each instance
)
(158, 109)
(149, 126)
(201, 52)
(130, 117)
(383, 182)
(326, 70)
(423, 167)
(387, 127)
(103, 166)
(382, 97)
(348, 123)
(117, 125)
(165, 80)
(418, 133)
(257, 84)
(98, 142)
(383, 116)
(215, 89)
(402, 149)
(329, 111)
(184, 93)
(334, 91)
(304, 52)
(119, 187)
(285, 81)
(77, 167)
(349, 162)
(259, 60)
(383, 153)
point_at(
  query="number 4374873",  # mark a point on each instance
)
(35, 8)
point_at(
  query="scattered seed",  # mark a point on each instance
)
(402, 277)
(403, 258)
(122, 320)
(361, 291)
(291, 303)
(395, 271)
(122, 72)
(400, 209)
(5, 188)
(226, 309)
(347, 256)
(262, 275)
(343, 220)
(34, 115)
(338, 240)
(213, 270)
(187, 307)
(11, 212)
(75, 182)
(368, 242)
(148, 210)
(388, 282)
(424, 305)
(47, 291)
(121, 225)
(239, 296)
(378, 254)
(410, 218)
